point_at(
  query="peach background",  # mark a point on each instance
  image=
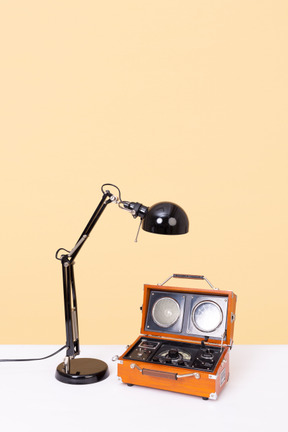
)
(181, 101)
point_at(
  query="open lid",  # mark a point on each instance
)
(189, 313)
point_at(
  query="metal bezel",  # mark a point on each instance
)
(152, 325)
(220, 331)
(174, 320)
(142, 343)
(195, 310)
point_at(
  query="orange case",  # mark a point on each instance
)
(191, 381)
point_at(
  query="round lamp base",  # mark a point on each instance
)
(82, 371)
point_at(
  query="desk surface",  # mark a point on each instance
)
(31, 399)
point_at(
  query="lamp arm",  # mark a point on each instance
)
(69, 288)
(70, 306)
(93, 220)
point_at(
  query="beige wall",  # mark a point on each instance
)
(183, 101)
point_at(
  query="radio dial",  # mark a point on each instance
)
(173, 353)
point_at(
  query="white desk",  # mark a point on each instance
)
(31, 399)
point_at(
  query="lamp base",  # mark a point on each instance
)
(82, 371)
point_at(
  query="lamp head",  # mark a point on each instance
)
(161, 218)
(166, 218)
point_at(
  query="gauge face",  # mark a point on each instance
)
(207, 316)
(165, 312)
(181, 354)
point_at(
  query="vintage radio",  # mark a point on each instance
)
(186, 336)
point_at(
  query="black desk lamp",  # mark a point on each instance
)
(161, 218)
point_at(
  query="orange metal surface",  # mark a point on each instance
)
(168, 377)
(208, 384)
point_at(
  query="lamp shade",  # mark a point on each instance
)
(166, 218)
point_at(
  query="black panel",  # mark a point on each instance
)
(158, 318)
(184, 323)
(174, 353)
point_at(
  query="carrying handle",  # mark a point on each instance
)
(186, 276)
(161, 374)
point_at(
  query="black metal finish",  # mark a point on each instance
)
(94, 218)
(82, 371)
(166, 218)
(136, 208)
(70, 306)
(185, 276)
(71, 316)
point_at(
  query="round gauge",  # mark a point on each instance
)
(165, 312)
(180, 354)
(207, 316)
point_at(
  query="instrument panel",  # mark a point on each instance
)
(173, 353)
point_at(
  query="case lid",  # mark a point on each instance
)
(189, 314)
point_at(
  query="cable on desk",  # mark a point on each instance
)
(34, 359)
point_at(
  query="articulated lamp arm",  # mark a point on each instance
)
(69, 289)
